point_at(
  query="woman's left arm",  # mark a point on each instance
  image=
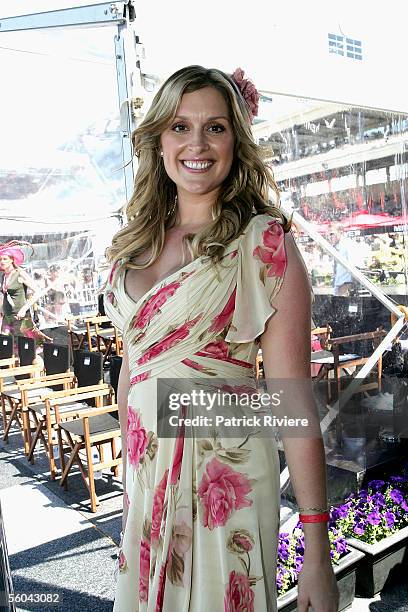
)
(36, 292)
(285, 347)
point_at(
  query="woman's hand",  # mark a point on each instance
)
(21, 313)
(317, 587)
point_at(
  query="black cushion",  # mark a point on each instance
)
(101, 423)
(56, 358)
(88, 367)
(6, 346)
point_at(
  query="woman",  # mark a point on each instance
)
(201, 516)
(15, 304)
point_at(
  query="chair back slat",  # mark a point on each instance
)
(69, 398)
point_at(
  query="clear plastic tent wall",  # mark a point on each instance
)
(344, 169)
(61, 165)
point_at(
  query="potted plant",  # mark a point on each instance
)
(375, 521)
(290, 563)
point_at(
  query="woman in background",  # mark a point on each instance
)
(15, 302)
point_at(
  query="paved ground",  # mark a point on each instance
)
(56, 545)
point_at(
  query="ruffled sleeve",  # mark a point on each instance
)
(260, 274)
(111, 299)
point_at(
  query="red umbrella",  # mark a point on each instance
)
(365, 219)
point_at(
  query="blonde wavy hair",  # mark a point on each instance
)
(244, 192)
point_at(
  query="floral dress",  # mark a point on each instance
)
(203, 521)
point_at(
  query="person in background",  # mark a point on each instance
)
(19, 293)
(59, 307)
(54, 280)
(343, 281)
(88, 286)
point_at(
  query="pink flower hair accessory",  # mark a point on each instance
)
(248, 91)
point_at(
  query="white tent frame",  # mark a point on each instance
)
(120, 14)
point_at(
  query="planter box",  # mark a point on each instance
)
(345, 573)
(379, 561)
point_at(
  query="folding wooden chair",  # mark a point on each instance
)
(335, 363)
(344, 362)
(10, 401)
(29, 393)
(107, 337)
(11, 362)
(321, 359)
(94, 427)
(76, 328)
(56, 407)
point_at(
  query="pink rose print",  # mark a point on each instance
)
(136, 437)
(160, 592)
(239, 597)
(238, 389)
(154, 304)
(140, 377)
(122, 562)
(168, 341)
(193, 364)
(111, 298)
(234, 253)
(112, 272)
(144, 570)
(178, 457)
(219, 350)
(225, 316)
(221, 492)
(240, 541)
(273, 252)
(158, 506)
(182, 538)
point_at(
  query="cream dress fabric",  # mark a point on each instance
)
(203, 519)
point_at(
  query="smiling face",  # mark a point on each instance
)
(198, 145)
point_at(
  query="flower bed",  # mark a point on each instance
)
(375, 521)
(290, 562)
(376, 512)
(291, 553)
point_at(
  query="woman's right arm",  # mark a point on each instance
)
(122, 399)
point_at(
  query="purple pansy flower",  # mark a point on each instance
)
(375, 484)
(390, 518)
(396, 496)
